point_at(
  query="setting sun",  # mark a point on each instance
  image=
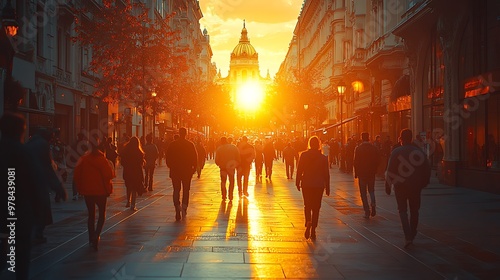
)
(249, 97)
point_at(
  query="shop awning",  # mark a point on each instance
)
(401, 87)
(335, 125)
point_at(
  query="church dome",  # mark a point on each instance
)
(244, 48)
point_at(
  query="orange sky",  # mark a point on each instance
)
(270, 25)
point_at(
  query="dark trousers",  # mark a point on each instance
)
(149, 171)
(408, 196)
(289, 165)
(269, 167)
(91, 201)
(258, 168)
(224, 176)
(367, 184)
(312, 203)
(242, 175)
(185, 185)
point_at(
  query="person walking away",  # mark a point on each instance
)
(150, 155)
(313, 177)
(289, 156)
(408, 171)
(80, 147)
(247, 155)
(132, 158)
(366, 162)
(17, 176)
(227, 158)
(259, 160)
(202, 156)
(325, 148)
(46, 180)
(110, 150)
(269, 157)
(182, 160)
(93, 175)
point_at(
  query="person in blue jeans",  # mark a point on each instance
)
(366, 162)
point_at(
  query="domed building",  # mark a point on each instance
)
(243, 66)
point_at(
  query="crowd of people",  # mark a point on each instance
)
(40, 169)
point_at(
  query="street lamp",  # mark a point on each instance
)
(153, 96)
(341, 87)
(8, 29)
(306, 106)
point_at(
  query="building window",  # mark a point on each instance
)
(40, 22)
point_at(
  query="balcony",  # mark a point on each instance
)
(62, 76)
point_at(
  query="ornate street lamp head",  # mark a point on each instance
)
(341, 87)
(9, 21)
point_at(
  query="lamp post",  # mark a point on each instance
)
(8, 29)
(341, 87)
(187, 120)
(153, 96)
(306, 106)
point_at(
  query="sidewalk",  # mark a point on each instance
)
(262, 236)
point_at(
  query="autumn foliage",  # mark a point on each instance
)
(132, 54)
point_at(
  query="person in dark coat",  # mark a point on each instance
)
(227, 158)
(289, 156)
(19, 189)
(202, 156)
(132, 158)
(259, 160)
(150, 155)
(313, 177)
(366, 162)
(408, 171)
(247, 155)
(269, 156)
(38, 147)
(182, 160)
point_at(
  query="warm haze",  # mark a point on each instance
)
(270, 25)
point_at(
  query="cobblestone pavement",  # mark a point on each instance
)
(262, 236)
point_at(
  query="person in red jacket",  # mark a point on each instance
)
(313, 177)
(92, 175)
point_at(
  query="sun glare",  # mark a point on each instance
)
(249, 97)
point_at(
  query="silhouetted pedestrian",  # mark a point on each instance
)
(227, 158)
(202, 155)
(182, 160)
(269, 156)
(46, 180)
(289, 157)
(247, 155)
(18, 186)
(409, 172)
(150, 155)
(259, 160)
(93, 175)
(366, 162)
(132, 158)
(313, 177)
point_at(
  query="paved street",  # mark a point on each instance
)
(262, 236)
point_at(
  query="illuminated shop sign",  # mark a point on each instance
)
(482, 84)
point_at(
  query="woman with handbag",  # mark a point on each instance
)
(132, 158)
(92, 176)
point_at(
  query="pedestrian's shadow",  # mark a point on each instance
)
(242, 213)
(224, 211)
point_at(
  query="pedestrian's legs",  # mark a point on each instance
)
(129, 194)
(246, 174)
(362, 191)
(101, 204)
(223, 179)
(371, 191)
(239, 177)
(133, 199)
(401, 194)
(90, 203)
(306, 195)
(176, 184)
(151, 171)
(75, 191)
(414, 203)
(231, 184)
(186, 186)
